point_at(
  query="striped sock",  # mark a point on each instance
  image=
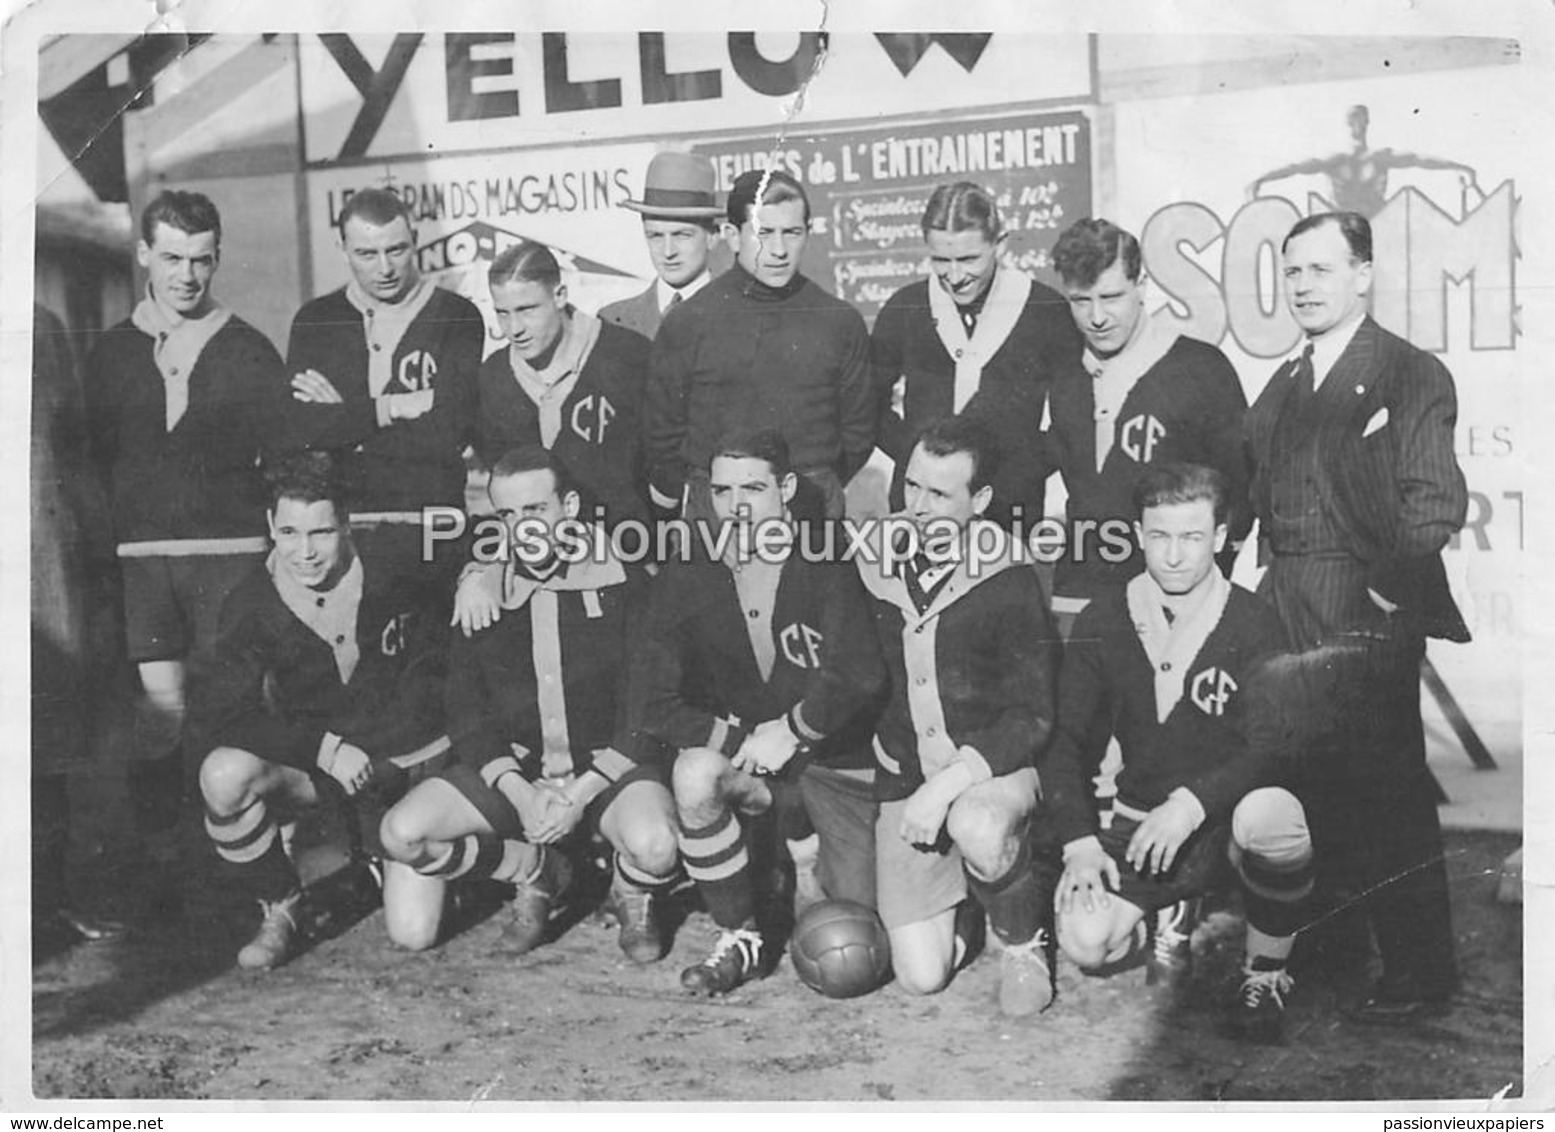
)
(251, 843)
(717, 860)
(479, 855)
(1272, 853)
(244, 837)
(632, 877)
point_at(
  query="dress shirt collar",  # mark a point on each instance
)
(1327, 347)
(665, 294)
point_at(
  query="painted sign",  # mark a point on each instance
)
(868, 189)
(368, 97)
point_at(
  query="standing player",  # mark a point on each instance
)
(328, 667)
(978, 338)
(1139, 394)
(536, 704)
(760, 668)
(384, 376)
(1175, 663)
(680, 226)
(1357, 491)
(181, 397)
(972, 658)
(761, 347)
(568, 383)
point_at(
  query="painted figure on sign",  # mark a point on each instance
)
(1359, 176)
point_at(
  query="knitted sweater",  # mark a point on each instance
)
(741, 355)
(276, 689)
(199, 480)
(550, 675)
(972, 676)
(1214, 739)
(698, 675)
(600, 442)
(406, 464)
(1011, 394)
(1187, 407)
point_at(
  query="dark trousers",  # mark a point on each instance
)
(1363, 778)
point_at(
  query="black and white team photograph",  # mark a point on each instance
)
(619, 558)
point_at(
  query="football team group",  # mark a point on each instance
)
(903, 724)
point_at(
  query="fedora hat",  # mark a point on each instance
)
(679, 186)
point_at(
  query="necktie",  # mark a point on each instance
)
(675, 300)
(1306, 382)
(923, 596)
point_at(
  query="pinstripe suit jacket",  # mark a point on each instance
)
(639, 313)
(1386, 445)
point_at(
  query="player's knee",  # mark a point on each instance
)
(985, 831)
(226, 776)
(919, 973)
(650, 846)
(1084, 939)
(401, 834)
(696, 776)
(1270, 823)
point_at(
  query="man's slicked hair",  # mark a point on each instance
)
(527, 261)
(1354, 227)
(766, 444)
(187, 211)
(1089, 247)
(775, 187)
(949, 435)
(377, 207)
(534, 458)
(1162, 485)
(963, 207)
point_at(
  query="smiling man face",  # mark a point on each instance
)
(180, 266)
(1326, 283)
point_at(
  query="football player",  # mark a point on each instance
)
(1177, 661)
(760, 669)
(972, 657)
(328, 680)
(181, 399)
(383, 375)
(536, 712)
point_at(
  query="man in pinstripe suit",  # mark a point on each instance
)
(1357, 490)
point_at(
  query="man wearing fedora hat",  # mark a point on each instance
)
(680, 224)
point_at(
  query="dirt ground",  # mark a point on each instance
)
(164, 1014)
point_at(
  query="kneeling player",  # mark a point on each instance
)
(1179, 663)
(972, 656)
(327, 668)
(760, 668)
(535, 704)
